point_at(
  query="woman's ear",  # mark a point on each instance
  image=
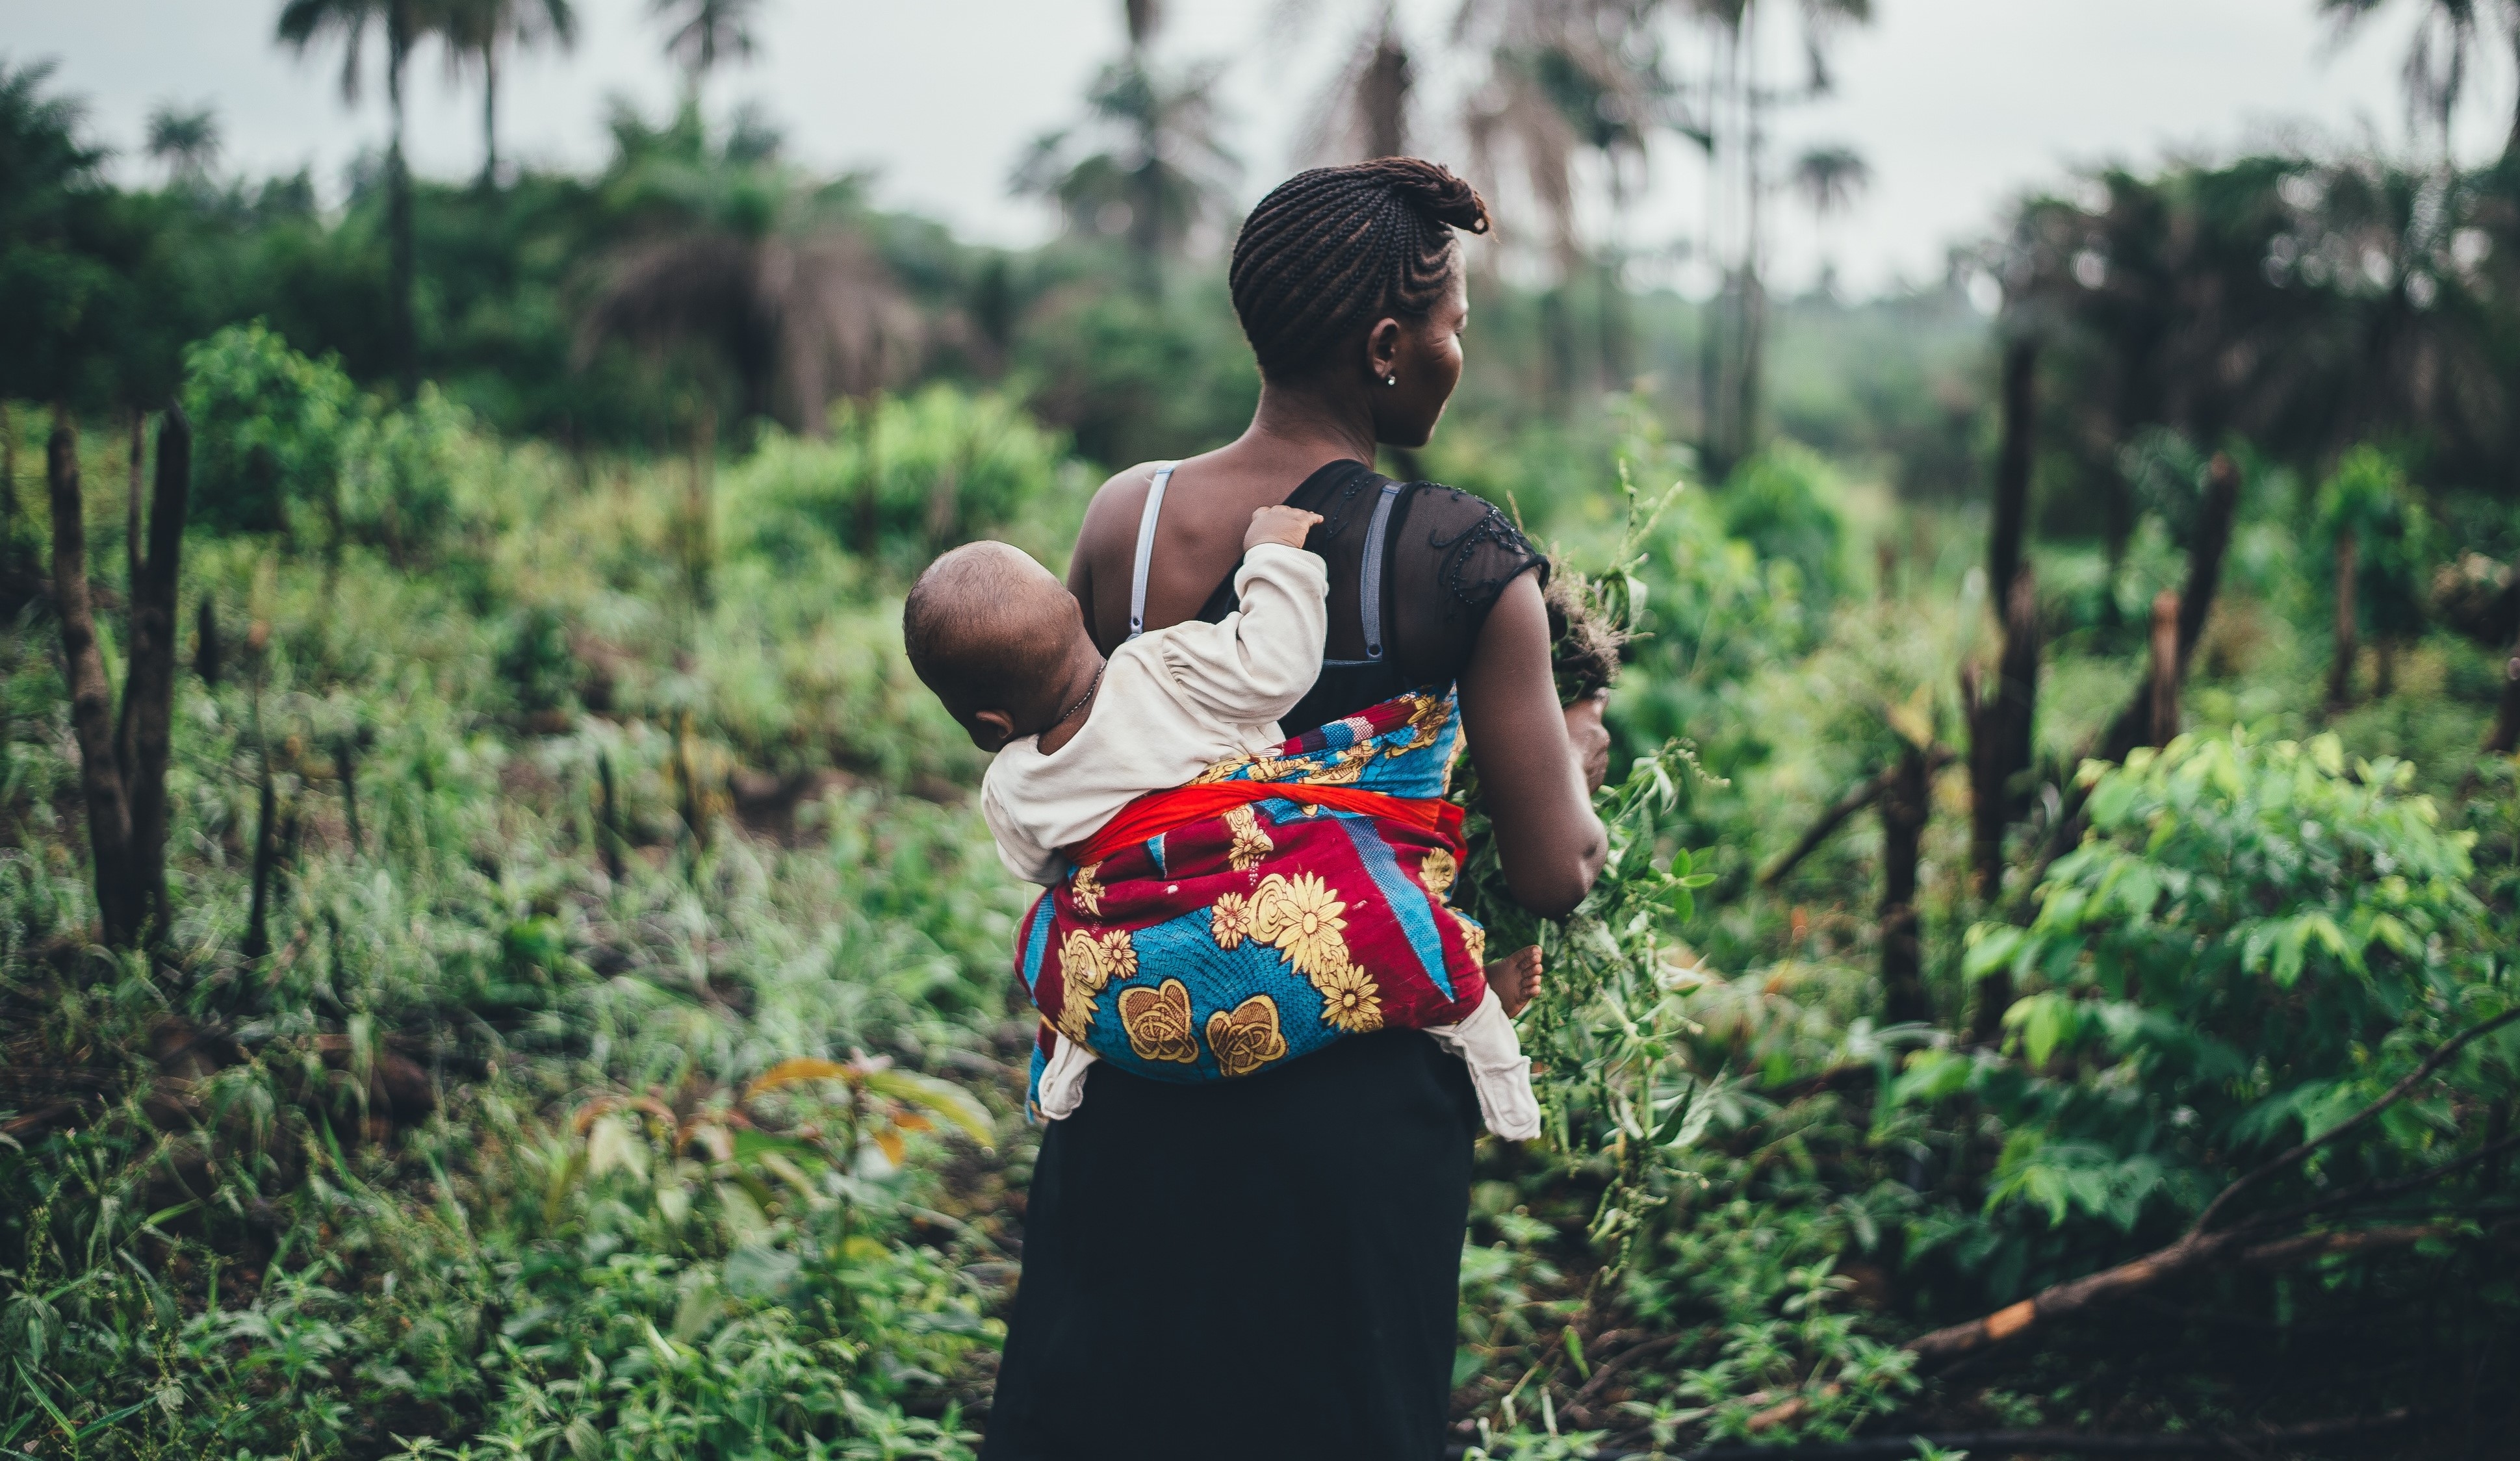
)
(991, 730)
(1382, 344)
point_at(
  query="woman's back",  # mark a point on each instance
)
(1266, 1265)
(1414, 568)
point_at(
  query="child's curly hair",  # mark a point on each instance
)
(1585, 646)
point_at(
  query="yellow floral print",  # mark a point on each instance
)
(1220, 770)
(1087, 888)
(1437, 870)
(1250, 844)
(1249, 1037)
(1301, 916)
(1427, 717)
(1350, 1000)
(1119, 956)
(1346, 767)
(1230, 920)
(1157, 1021)
(1075, 1012)
(1080, 962)
(1473, 937)
(1082, 976)
(1086, 964)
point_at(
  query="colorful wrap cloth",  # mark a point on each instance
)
(1275, 904)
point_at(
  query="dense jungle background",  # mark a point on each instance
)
(498, 956)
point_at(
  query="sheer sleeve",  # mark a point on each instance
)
(1452, 555)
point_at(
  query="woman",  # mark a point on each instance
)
(1269, 1266)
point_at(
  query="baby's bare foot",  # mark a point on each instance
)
(1515, 978)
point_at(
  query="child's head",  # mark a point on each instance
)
(997, 638)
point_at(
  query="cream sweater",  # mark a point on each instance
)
(1174, 702)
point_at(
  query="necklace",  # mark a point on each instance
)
(1070, 713)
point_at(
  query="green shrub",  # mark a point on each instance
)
(919, 474)
(2253, 944)
(401, 474)
(2369, 497)
(269, 427)
(1781, 503)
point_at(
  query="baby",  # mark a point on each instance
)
(1078, 737)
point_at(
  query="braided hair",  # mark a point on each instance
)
(1333, 249)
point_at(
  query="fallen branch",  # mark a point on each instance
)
(2359, 1119)
(2374, 1191)
(2200, 1245)
(1864, 795)
(2303, 1247)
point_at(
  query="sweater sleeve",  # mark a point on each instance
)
(1019, 848)
(1255, 663)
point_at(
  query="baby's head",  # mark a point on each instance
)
(998, 638)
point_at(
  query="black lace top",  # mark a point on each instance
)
(1446, 558)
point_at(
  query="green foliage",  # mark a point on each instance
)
(2368, 496)
(2254, 944)
(401, 471)
(921, 473)
(270, 427)
(1779, 503)
(90, 297)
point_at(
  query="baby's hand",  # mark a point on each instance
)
(1515, 978)
(1280, 523)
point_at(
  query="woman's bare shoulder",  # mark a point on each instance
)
(1112, 513)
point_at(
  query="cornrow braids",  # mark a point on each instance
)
(1331, 250)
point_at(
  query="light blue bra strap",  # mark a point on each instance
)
(1370, 581)
(1147, 547)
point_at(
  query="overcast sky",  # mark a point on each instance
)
(1957, 104)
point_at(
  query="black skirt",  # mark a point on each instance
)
(1266, 1268)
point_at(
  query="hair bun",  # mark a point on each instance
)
(1432, 189)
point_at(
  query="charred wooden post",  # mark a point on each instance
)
(345, 769)
(1905, 801)
(109, 805)
(206, 643)
(2134, 725)
(8, 476)
(2506, 738)
(608, 818)
(2012, 465)
(266, 860)
(2001, 726)
(137, 454)
(2340, 670)
(149, 686)
(699, 546)
(2163, 675)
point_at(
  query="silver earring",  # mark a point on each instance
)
(1391, 380)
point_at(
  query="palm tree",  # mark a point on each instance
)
(1732, 127)
(1365, 111)
(1147, 163)
(797, 309)
(186, 141)
(477, 30)
(709, 31)
(405, 22)
(2437, 58)
(1828, 180)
